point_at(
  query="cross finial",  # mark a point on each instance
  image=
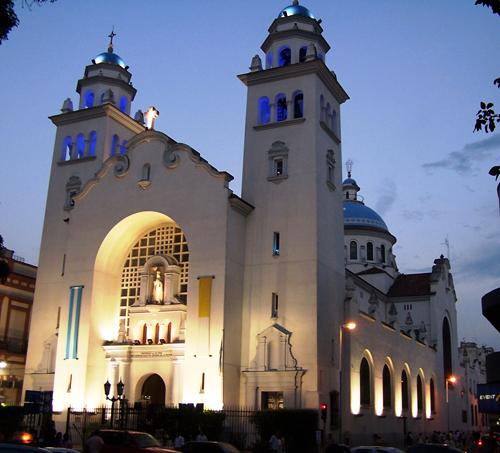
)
(111, 36)
(348, 166)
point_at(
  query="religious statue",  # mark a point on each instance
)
(158, 289)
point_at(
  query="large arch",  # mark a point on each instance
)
(151, 389)
(447, 354)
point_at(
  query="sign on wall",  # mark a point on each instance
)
(488, 396)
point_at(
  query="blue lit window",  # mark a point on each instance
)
(123, 104)
(298, 105)
(80, 145)
(102, 97)
(281, 107)
(66, 148)
(92, 143)
(264, 110)
(89, 99)
(114, 145)
(269, 60)
(302, 54)
(123, 147)
(284, 56)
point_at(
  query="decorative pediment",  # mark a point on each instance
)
(274, 350)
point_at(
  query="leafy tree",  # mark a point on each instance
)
(8, 17)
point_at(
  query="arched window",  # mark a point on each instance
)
(298, 105)
(446, 349)
(169, 333)
(269, 60)
(420, 395)
(67, 147)
(382, 253)
(433, 397)
(353, 250)
(92, 143)
(334, 120)
(123, 147)
(123, 104)
(80, 145)
(327, 113)
(157, 333)
(405, 403)
(302, 54)
(264, 110)
(386, 387)
(114, 145)
(146, 172)
(369, 251)
(89, 99)
(145, 334)
(364, 383)
(322, 108)
(281, 107)
(103, 94)
(284, 56)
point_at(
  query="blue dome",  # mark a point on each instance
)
(349, 182)
(110, 58)
(295, 10)
(356, 214)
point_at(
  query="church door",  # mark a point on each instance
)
(153, 390)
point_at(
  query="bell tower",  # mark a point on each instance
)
(294, 262)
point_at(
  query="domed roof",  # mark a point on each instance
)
(349, 182)
(356, 214)
(110, 58)
(295, 10)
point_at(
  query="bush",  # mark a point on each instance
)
(298, 427)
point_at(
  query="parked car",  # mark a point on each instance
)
(116, 441)
(208, 447)
(19, 448)
(61, 450)
(433, 448)
(375, 449)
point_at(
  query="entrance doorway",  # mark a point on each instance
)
(153, 390)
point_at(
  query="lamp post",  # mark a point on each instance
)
(347, 326)
(449, 380)
(119, 396)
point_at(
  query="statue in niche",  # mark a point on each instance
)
(158, 289)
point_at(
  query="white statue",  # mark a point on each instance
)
(158, 289)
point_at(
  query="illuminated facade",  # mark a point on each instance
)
(165, 279)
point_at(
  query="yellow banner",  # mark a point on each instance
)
(204, 296)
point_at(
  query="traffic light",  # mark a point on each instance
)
(323, 408)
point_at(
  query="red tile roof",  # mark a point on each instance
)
(411, 285)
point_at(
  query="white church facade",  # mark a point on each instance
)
(154, 273)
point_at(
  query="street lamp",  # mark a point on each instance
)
(346, 326)
(451, 379)
(119, 396)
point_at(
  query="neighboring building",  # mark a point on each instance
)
(165, 279)
(473, 362)
(16, 299)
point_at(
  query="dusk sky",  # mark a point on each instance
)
(415, 72)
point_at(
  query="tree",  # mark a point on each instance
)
(486, 117)
(8, 17)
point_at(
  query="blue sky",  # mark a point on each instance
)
(415, 72)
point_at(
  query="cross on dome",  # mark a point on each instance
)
(111, 36)
(348, 166)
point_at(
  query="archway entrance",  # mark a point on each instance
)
(153, 390)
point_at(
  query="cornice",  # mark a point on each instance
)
(108, 81)
(98, 111)
(296, 70)
(293, 33)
